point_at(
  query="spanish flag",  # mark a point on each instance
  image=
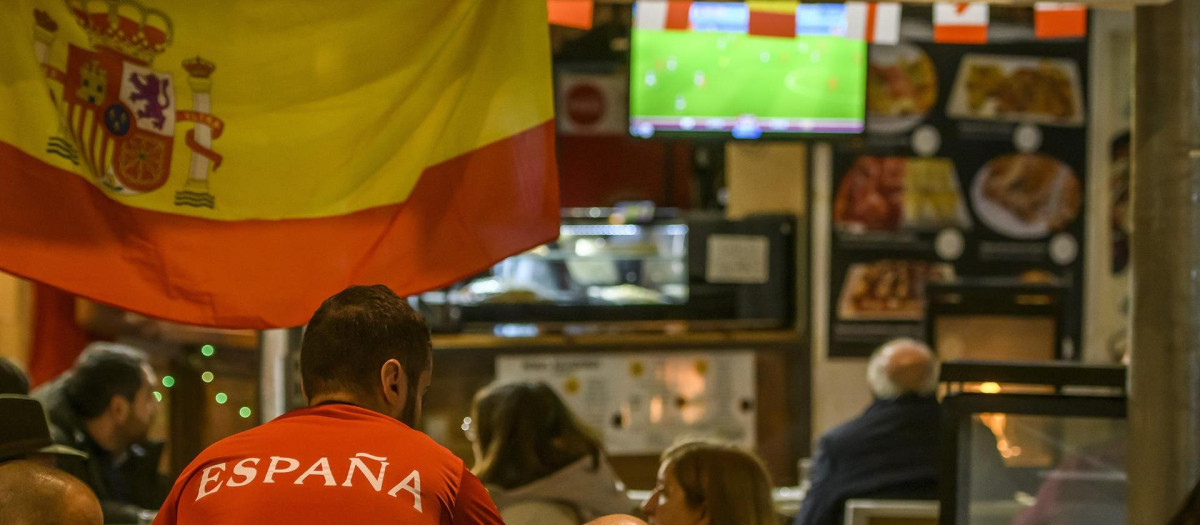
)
(772, 18)
(230, 163)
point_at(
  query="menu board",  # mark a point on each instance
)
(973, 165)
(642, 403)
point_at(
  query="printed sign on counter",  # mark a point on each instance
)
(738, 259)
(642, 403)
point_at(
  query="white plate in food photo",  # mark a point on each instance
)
(1017, 89)
(1026, 195)
(901, 88)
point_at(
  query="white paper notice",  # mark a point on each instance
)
(642, 403)
(738, 259)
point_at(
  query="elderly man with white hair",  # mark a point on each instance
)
(890, 451)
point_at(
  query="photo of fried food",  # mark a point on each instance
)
(901, 81)
(892, 193)
(1027, 195)
(889, 289)
(1018, 89)
(871, 195)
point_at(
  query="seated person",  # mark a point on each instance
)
(35, 494)
(540, 463)
(104, 406)
(888, 452)
(702, 483)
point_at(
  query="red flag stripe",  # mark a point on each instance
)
(570, 13)
(1060, 23)
(471, 210)
(960, 34)
(772, 24)
(870, 33)
(678, 14)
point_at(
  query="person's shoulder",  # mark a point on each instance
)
(846, 431)
(62, 418)
(398, 436)
(231, 445)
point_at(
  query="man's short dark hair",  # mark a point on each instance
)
(12, 379)
(354, 333)
(102, 371)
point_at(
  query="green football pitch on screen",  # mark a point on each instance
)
(676, 74)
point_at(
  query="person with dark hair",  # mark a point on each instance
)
(104, 406)
(700, 482)
(353, 455)
(35, 494)
(541, 464)
(12, 379)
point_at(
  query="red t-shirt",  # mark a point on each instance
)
(328, 464)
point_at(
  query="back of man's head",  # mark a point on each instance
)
(353, 334)
(32, 493)
(902, 366)
(102, 371)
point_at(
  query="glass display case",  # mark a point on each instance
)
(1012, 457)
(591, 264)
(610, 264)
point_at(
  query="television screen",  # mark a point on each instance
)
(717, 68)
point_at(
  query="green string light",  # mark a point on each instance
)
(168, 381)
(207, 377)
(244, 412)
(158, 396)
(222, 398)
(208, 350)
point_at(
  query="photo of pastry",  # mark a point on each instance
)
(1026, 195)
(889, 289)
(901, 88)
(893, 193)
(1017, 89)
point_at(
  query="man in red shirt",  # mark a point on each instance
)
(352, 455)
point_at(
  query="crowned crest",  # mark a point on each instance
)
(118, 112)
(124, 26)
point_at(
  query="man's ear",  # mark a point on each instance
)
(119, 407)
(394, 383)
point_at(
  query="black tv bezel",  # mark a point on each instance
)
(727, 135)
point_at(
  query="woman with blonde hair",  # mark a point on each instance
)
(541, 464)
(703, 483)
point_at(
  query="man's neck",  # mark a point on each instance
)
(340, 398)
(104, 433)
